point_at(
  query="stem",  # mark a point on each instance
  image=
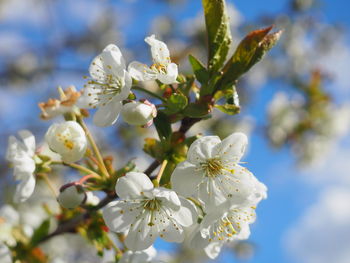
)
(161, 170)
(71, 225)
(78, 167)
(151, 168)
(94, 147)
(85, 178)
(49, 184)
(115, 247)
(149, 93)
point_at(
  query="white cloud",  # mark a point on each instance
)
(322, 235)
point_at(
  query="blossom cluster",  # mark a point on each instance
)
(209, 200)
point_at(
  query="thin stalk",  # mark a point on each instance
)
(78, 167)
(94, 148)
(161, 170)
(115, 247)
(49, 184)
(148, 92)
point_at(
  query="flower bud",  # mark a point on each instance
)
(71, 196)
(140, 113)
(68, 140)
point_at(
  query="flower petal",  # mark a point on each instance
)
(159, 50)
(28, 140)
(141, 72)
(232, 147)
(23, 164)
(187, 215)
(109, 62)
(169, 197)
(170, 76)
(24, 189)
(211, 194)
(141, 235)
(125, 90)
(118, 216)
(132, 185)
(213, 249)
(202, 149)
(108, 114)
(186, 179)
(5, 254)
(9, 214)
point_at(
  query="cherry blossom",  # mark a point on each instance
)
(145, 212)
(21, 155)
(139, 113)
(162, 68)
(109, 85)
(68, 140)
(212, 173)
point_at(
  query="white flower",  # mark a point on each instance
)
(9, 218)
(145, 212)
(53, 107)
(143, 256)
(162, 68)
(216, 229)
(21, 155)
(5, 254)
(109, 86)
(68, 139)
(212, 173)
(71, 196)
(139, 113)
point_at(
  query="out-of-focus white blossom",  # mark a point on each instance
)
(68, 139)
(71, 196)
(5, 254)
(145, 212)
(212, 173)
(284, 115)
(144, 256)
(21, 155)
(162, 68)
(109, 86)
(139, 113)
(9, 218)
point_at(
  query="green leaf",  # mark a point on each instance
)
(162, 125)
(196, 110)
(176, 103)
(199, 70)
(41, 232)
(218, 31)
(251, 50)
(231, 105)
(229, 109)
(265, 45)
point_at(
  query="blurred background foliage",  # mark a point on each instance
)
(287, 99)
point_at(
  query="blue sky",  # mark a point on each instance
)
(290, 194)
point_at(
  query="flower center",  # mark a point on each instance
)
(153, 206)
(107, 86)
(158, 67)
(224, 229)
(212, 167)
(64, 138)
